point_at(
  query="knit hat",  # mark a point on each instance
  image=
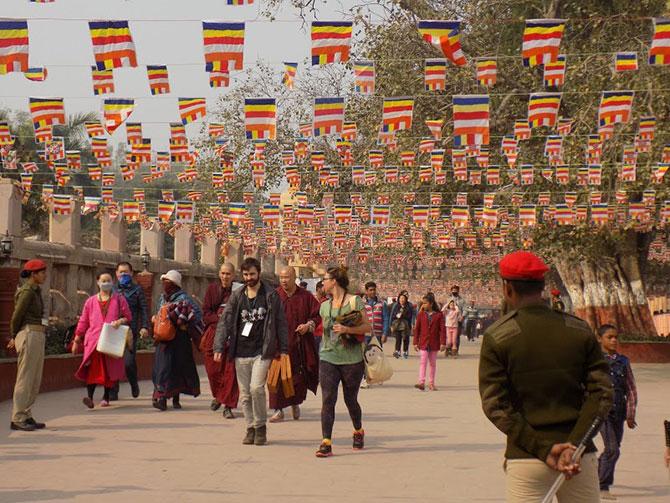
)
(174, 276)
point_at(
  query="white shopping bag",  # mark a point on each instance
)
(112, 341)
(378, 369)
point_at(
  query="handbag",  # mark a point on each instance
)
(354, 318)
(112, 341)
(378, 369)
(164, 329)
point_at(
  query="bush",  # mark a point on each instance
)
(643, 338)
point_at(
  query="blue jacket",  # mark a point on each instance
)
(138, 306)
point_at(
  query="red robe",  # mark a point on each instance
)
(300, 308)
(221, 375)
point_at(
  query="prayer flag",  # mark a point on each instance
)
(435, 75)
(554, 72)
(615, 107)
(331, 41)
(260, 118)
(14, 46)
(364, 76)
(659, 52)
(290, 71)
(158, 79)
(328, 116)
(224, 45)
(541, 41)
(36, 74)
(192, 109)
(397, 114)
(625, 61)
(471, 120)
(113, 45)
(543, 109)
(445, 36)
(115, 112)
(47, 112)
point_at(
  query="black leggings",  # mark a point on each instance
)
(91, 389)
(330, 376)
(402, 337)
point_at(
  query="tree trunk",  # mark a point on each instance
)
(609, 290)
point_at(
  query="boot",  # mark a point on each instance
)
(261, 437)
(175, 402)
(250, 437)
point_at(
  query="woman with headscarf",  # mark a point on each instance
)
(96, 368)
(174, 370)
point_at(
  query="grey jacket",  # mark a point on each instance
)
(275, 329)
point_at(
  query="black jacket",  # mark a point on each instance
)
(275, 329)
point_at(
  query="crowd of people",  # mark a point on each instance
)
(260, 332)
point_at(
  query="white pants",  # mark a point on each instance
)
(252, 374)
(529, 480)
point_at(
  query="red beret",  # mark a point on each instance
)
(34, 265)
(522, 266)
(555, 292)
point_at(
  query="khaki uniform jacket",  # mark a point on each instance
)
(28, 308)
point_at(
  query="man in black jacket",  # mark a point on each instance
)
(254, 325)
(139, 325)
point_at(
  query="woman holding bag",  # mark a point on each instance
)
(97, 368)
(341, 356)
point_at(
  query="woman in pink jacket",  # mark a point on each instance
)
(104, 307)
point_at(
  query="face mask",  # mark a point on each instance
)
(125, 280)
(105, 286)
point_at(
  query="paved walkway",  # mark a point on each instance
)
(419, 447)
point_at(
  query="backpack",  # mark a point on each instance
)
(164, 329)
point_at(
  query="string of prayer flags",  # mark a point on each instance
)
(223, 46)
(445, 36)
(541, 41)
(331, 41)
(113, 45)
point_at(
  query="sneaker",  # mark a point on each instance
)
(22, 426)
(250, 437)
(396, 354)
(365, 385)
(359, 440)
(214, 406)
(261, 435)
(104, 403)
(420, 386)
(278, 416)
(606, 495)
(295, 409)
(88, 402)
(325, 450)
(37, 425)
(405, 355)
(228, 413)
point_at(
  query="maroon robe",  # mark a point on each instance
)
(221, 375)
(300, 308)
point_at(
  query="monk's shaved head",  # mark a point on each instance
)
(287, 279)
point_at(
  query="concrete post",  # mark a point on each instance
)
(268, 264)
(113, 234)
(235, 255)
(66, 229)
(153, 240)
(210, 252)
(146, 280)
(184, 246)
(10, 208)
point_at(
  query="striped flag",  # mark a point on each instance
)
(435, 127)
(290, 71)
(260, 118)
(47, 112)
(625, 61)
(522, 130)
(543, 109)
(435, 74)
(564, 126)
(103, 81)
(131, 211)
(133, 133)
(158, 79)
(364, 76)
(541, 41)
(445, 36)
(165, 210)
(471, 120)
(237, 212)
(271, 215)
(554, 72)
(36, 74)
(647, 128)
(328, 116)
(62, 204)
(224, 45)
(659, 52)
(219, 79)
(331, 41)
(113, 45)
(192, 109)
(487, 71)
(115, 112)
(178, 133)
(14, 46)
(397, 114)
(615, 107)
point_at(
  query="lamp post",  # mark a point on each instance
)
(146, 258)
(6, 245)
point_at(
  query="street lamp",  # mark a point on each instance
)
(6, 245)
(146, 258)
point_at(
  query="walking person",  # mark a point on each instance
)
(528, 355)
(341, 358)
(221, 374)
(174, 371)
(451, 317)
(401, 316)
(254, 327)
(461, 305)
(430, 338)
(26, 331)
(378, 313)
(302, 317)
(139, 325)
(623, 410)
(321, 297)
(98, 369)
(471, 319)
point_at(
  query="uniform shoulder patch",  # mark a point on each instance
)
(573, 321)
(505, 327)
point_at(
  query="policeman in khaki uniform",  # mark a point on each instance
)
(542, 381)
(26, 329)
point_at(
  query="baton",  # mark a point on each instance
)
(592, 431)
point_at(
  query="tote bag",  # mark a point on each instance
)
(378, 369)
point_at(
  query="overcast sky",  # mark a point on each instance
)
(165, 32)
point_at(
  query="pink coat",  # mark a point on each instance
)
(90, 326)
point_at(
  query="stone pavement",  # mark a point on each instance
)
(430, 446)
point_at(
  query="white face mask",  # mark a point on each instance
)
(105, 286)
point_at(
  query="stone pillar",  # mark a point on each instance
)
(268, 264)
(10, 208)
(66, 229)
(235, 255)
(184, 246)
(153, 240)
(210, 252)
(112, 234)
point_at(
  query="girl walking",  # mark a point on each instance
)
(429, 338)
(401, 317)
(451, 317)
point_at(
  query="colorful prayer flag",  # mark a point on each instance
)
(541, 41)
(14, 46)
(47, 112)
(158, 79)
(435, 75)
(543, 109)
(487, 70)
(115, 112)
(224, 45)
(659, 52)
(554, 72)
(113, 45)
(260, 118)
(218, 79)
(192, 109)
(331, 41)
(328, 116)
(364, 76)
(615, 107)
(445, 36)
(36, 74)
(397, 114)
(625, 61)
(290, 71)
(471, 120)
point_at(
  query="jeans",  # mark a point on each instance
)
(252, 374)
(612, 433)
(330, 376)
(458, 335)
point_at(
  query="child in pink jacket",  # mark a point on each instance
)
(451, 316)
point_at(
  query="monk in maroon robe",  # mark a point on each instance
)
(221, 375)
(302, 316)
